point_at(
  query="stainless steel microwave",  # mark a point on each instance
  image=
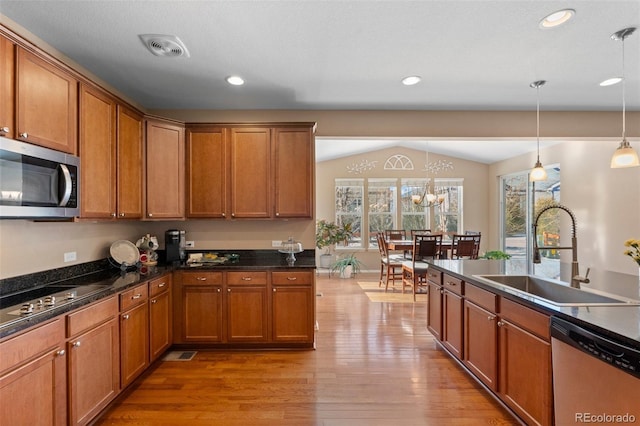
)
(37, 182)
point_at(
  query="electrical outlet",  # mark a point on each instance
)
(276, 243)
(70, 256)
(190, 244)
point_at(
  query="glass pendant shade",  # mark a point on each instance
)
(538, 173)
(624, 156)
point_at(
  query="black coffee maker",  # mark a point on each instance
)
(174, 245)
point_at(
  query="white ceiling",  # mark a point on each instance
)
(350, 54)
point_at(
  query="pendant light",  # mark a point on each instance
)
(427, 199)
(538, 173)
(624, 155)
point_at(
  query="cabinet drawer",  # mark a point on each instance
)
(201, 278)
(434, 276)
(248, 277)
(480, 297)
(159, 285)
(92, 315)
(533, 321)
(285, 278)
(453, 284)
(133, 297)
(22, 348)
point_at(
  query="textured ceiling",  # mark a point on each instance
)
(333, 54)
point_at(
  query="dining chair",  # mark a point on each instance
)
(472, 233)
(414, 272)
(390, 265)
(397, 234)
(465, 246)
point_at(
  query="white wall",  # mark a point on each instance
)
(605, 201)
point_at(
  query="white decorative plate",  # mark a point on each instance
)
(124, 252)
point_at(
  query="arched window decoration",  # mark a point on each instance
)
(398, 162)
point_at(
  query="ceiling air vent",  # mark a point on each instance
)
(164, 45)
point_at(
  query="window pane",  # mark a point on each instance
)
(349, 194)
(413, 216)
(448, 215)
(382, 205)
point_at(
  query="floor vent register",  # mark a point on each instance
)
(179, 356)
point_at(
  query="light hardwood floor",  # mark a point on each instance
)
(375, 364)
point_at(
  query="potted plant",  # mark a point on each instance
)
(347, 265)
(495, 254)
(327, 235)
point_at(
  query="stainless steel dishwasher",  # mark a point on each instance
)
(596, 379)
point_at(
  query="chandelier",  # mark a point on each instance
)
(428, 199)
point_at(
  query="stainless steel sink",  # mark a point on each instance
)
(553, 292)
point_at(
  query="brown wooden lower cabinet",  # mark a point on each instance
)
(160, 308)
(504, 344)
(33, 377)
(244, 308)
(134, 333)
(94, 359)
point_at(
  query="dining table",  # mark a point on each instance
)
(407, 246)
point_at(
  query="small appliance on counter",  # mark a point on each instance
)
(175, 246)
(147, 246)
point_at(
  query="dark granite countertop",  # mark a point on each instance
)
(619, 322)
(96, 280)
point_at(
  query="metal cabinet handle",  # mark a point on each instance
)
(490, 318)
(113, 214)
(201, 278)
(150, 215)
(277, 214)
(500, 324)
(161, 285)
(61, 352)
(136, 296)
(219, 290)
(125, 317)
(24, 135)
(274, 290)
(121, 214)
(292, 278)
(246, 278)
(228, 290)
(224, 215)
(76, 344)
(154, 301)
(233, 215)
(451, 283)
(4, 129)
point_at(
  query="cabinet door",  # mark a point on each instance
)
(293, 313)
(35, 394)
(201, 313)
(94, 371)
(165, 170)
(98, 153)
(247, 313)
(294, 172)
(434, 313)
(134, 343)
(159, 324)
(129, 160)
(46, 104)
(525, 374)
(7, 87)
(207, 172)
(452, 323)
(250, 178)
(481, 343)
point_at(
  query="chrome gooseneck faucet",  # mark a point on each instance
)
(576, 278)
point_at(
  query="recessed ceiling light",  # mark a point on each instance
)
(235, 80)
(557, 18)
(411, 80)
(611, 81)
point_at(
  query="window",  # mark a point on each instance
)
(382, 195)
(349, 202)
(389, 206)
(521, 200)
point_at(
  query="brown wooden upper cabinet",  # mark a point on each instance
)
(7, 87)
(250, 171)
(111, 153)
(46, 103)
(164, 170)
